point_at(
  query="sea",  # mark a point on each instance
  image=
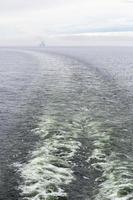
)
(66, 123)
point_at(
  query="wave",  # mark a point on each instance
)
(116, 182)
(49, 166)
(76, 91)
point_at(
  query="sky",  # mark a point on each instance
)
(66, 22)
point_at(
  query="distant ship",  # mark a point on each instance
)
(42, 44)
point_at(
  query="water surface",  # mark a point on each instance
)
(66, 125)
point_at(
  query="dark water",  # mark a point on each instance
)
(66, 129)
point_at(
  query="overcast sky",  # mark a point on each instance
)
(66, 22)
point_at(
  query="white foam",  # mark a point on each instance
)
(116, 185)
(50, 166)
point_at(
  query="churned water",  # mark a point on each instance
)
(66, 129)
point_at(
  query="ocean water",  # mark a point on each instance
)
(66, 129)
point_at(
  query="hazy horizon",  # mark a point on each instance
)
(62, 22)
